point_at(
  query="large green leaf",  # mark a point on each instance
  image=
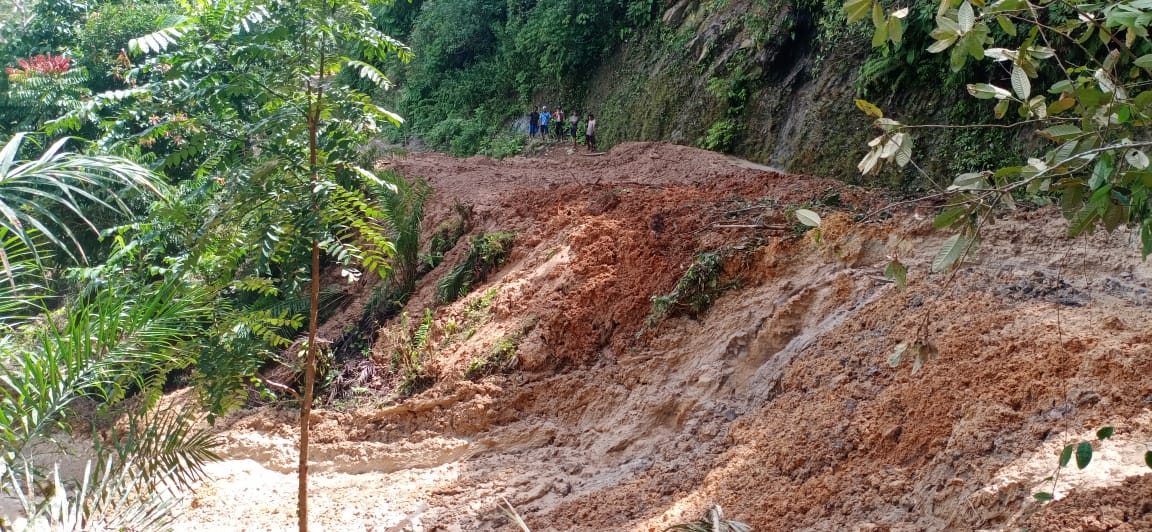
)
(950, 252)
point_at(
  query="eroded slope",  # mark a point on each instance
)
(777, 403)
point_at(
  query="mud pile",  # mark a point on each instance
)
(776, 403)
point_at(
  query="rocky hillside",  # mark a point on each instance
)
(774, 81)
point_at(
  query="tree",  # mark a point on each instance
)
(105, 347)
(1090, 64)
(255, 106)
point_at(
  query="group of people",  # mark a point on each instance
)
(544, 124)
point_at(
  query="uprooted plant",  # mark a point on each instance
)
(696, 290)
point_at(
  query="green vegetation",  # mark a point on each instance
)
(694, 292)
(253, 114)
(1074, 76)
(712, 521)
(482, 64)
(411, 353)
(447, 235)
(502, 356)
(488, 251)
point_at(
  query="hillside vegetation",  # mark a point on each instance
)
(771, 81)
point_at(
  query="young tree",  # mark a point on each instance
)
(256, 106)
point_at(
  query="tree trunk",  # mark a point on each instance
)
(309, 384)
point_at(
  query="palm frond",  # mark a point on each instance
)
(38, 194)
(132, 484)
(110, 345)
(712, 521)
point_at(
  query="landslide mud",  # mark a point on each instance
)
(777, 403)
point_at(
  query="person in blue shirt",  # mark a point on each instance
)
(545, 116)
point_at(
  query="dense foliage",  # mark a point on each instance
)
(254, 115)
(482, 64)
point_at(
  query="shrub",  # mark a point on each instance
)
(488, 251)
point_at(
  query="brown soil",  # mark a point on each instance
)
(777, 403)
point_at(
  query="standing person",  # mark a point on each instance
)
(533, 122)
(558, 119)
(544, 118)
(590, 133)
(573, 121)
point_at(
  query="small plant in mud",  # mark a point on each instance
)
(806, 220)
(488, 251)
(408, 355)
(1083, 452)
(446, 236)
(502, 357)
(712, 521)
(475, 314)
(694, 292)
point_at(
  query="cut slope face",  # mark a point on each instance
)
(776, 403)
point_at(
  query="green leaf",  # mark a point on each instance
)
(949, 253)
(985, 91)
(1006, 24)
(1066, 455)
(869, 109)
(1001, 108)
(959, 55)
(808, 217)
(1042, 496)
(942, 44)
(903, 149)
(1148, 459)
(880, 36)
(895, 30)
(8, 153)
(1061, 105)
(1060, 132)
(1114, 216)
(1105, 433)
(877, 16)
(1083, 454)
(949, 217)
(970, 181)
(1084, 220)
(917, 362)
(897, 272)
(856, 10)
(1144, 61)
(1060, 87)
(1102, 171)
(1020, 83)
(966, 17)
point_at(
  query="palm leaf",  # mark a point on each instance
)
(38, 194)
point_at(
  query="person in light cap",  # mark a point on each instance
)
(545, 116)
